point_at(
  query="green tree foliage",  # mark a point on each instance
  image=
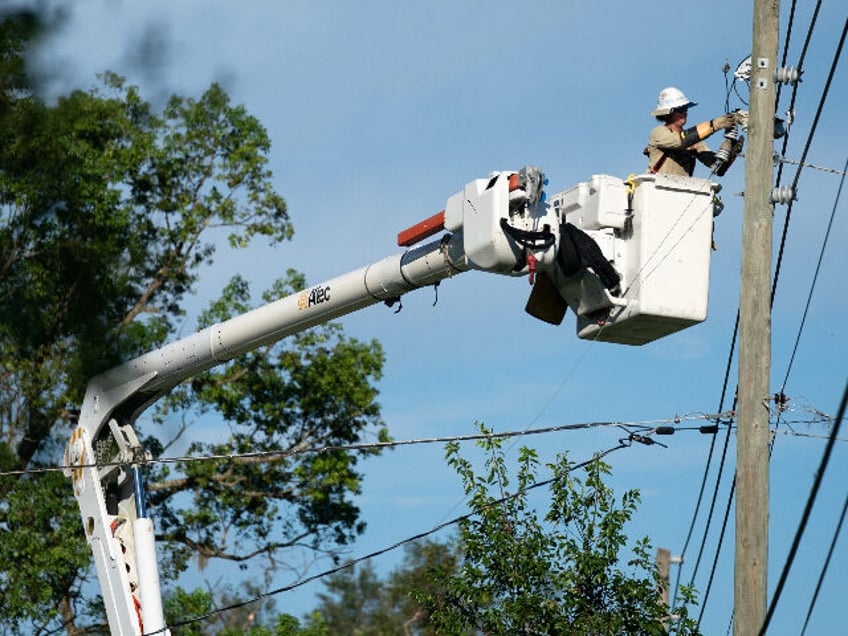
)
(511, 570)
(108, 213)
(255, 619)
(563, 573)
(357, 601)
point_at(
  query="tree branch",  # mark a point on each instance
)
(207, 552)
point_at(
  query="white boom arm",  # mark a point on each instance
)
(499, 224)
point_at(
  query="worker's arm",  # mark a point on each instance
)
(666, 139)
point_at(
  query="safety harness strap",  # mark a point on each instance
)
(592, 256)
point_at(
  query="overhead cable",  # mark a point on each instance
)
(730, 503)
(804, 48)
(780, 159)
(813, 127)
(712, 507)
(644, 426)
(811, 499)
(815, 278)
(786, 42)
(727, 509)
(825, 566)
(706, 470)
(808, 435)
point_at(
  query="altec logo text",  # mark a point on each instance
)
(311, 297)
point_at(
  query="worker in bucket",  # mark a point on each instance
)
(673, 148)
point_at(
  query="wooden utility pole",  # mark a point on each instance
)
(663, 561)
(752, 458)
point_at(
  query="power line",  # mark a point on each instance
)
(644, 426)
(712, 504)
(720, 468)
(833, 436)
(786, 43)
(811, 499)
(727, 509)
(813, 127)
(624, 443)
(809, 435)
(780, 159)
(826, 565)
(815, 278)
(663, 426)
(804, 48)
(707, 467)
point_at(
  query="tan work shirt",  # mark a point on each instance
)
(678, 160)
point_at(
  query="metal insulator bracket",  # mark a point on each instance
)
(783, 194)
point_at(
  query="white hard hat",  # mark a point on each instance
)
(670, 99)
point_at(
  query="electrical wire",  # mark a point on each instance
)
(727, 509)
(286, 588)
(813, 127)
(811, 499)
(718, 474)
(786, 43)
(825, 566)
(727, 515)
(720, 542)
(712, 505)
(815, 278)
(808, 435)
(801, 59)
(781, 159)
(623, 443)
(644, 426)
(694, 519)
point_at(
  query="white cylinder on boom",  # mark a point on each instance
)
(147, 568)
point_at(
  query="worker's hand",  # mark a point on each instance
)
(725, 121)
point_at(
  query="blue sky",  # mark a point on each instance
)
(379, 111)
